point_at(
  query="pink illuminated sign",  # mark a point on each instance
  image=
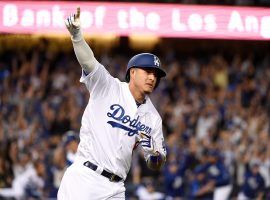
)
(164, 20)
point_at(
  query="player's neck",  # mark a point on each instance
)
(137, 95)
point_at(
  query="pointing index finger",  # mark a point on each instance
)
(78, 12)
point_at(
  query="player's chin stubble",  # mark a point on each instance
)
(148, 90)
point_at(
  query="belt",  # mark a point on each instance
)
(112, 177)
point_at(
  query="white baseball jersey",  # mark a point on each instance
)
(111, 123)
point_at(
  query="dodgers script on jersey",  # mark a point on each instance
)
(112, 122)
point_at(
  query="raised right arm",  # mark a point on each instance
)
(83, 52)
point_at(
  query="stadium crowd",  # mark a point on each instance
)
(215, 110)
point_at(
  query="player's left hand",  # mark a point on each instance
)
(155, 161)
(147, 143)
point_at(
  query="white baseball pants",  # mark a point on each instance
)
(80, 182)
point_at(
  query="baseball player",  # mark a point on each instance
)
(118, 117)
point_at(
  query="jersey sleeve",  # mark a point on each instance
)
(98, 82)
(159, 138)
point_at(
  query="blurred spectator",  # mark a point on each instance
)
(63, 156)
(71, 142)
(219, 173)
(28, 184)
(147, 190)
(201, 187)
(6, 174)
(174, 179)
(254, 185)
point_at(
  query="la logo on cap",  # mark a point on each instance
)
(156, 61)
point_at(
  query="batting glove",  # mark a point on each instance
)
(147, 143)
(73, 23)
(154, 159)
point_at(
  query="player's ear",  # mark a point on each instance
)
(132, 72)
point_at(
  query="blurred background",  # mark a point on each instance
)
(214, 102)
